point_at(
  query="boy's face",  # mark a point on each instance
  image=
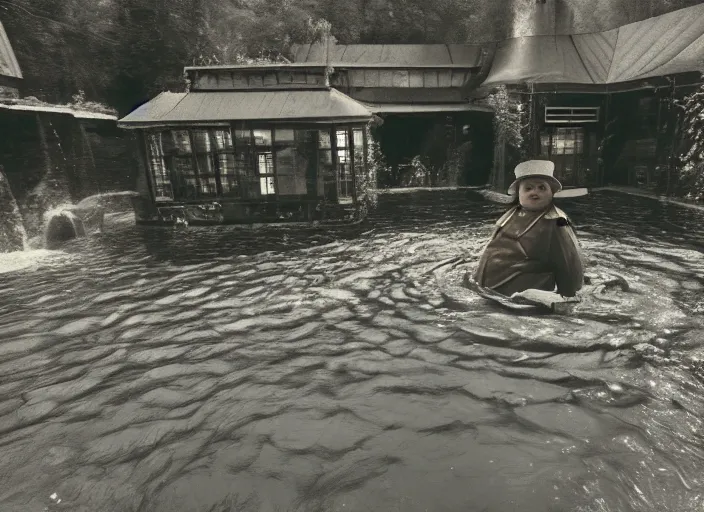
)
(534, 194)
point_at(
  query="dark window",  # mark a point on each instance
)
(359, 156)
(163, 190)
(345, 179)
(327, 182)
(264, 162)
(291, 161)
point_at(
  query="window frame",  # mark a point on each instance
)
(245, 156)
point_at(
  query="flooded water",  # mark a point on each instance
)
(220, 369)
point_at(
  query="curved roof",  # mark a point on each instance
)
(668, 44)
(8, 62)
(224, 106)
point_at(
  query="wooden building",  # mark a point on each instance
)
(289, 142)
(420, 92)
(602, 105)
(252, 144)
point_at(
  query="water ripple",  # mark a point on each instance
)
(212, 369)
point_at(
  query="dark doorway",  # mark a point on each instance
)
(417, 148)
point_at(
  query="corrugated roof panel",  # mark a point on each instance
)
(667, 44)
(597, 52)
(647, 45)
(201, 107)
(542, 59)
(8, 61)
(422, 54)
(391, 55)
(689, 59)
(160, 106)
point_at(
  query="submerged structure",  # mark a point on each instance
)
(253, 144)
(291, 142)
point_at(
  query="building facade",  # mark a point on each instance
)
(252, 144)
(246, 142)
(602, 106)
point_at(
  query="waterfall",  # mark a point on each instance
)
(52, 190)
(13, 236)
(532, 18)
(88, 171)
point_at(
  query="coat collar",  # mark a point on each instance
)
(553, 213)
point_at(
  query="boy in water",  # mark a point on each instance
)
(534, 245)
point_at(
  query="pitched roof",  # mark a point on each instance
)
(223, 106)
(392, 55)
(8, 62)
(668, 44)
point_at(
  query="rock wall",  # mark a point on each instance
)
(56, 159)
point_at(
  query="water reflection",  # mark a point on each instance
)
(215, 369)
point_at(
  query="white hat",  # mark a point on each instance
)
(535, 168)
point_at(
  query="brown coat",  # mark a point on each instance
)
(537, 250)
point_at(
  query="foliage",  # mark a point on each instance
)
(691, 161)
(367, 198)
(123, 52)
(510, 115)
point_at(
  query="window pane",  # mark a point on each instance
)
(569, 146)
(343, 156)
(291, 169)
(184, 178)
(243, 163)
(358, 139)
(327, 183)
(184, 166)
(226, 163)
(558, 144)
(202, 141)
(324, 141)
(223, 140)
(283, 135)
(243, 136)
(265, 163)
(191, 191)
(342, 138)
(163, 190)
(182, 141)
(205, 164)
(262, 137)
(266, 185)
(208, 186)
(345, 180)
(545, 144)
(229, 185)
